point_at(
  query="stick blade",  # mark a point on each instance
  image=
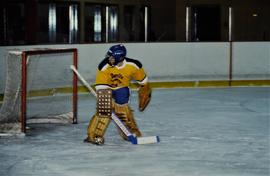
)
(148, 140)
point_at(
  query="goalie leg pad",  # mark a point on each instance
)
(125, 114)
(96, 129)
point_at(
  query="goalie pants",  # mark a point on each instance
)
(98, 125)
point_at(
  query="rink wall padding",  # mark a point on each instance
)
(185, 84)
(173, 64)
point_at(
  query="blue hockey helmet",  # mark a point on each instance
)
(118, 52)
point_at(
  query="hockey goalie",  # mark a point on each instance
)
(113, 77)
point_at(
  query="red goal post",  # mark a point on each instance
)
(25, 54)
(73, 52)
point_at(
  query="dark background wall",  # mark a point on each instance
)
(26, 21)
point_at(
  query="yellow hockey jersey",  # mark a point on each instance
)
(120, 76)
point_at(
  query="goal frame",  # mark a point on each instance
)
(24, 55)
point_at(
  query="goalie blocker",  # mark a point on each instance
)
(104, 103)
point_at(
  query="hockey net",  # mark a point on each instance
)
(40, 88)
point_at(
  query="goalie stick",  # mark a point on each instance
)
(133, 139)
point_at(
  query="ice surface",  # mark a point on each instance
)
(203, 132)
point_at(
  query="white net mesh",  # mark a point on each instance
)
(49, 90)
(9, 112)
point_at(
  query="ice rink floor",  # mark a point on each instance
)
(203, 132)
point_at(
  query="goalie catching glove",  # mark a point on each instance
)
(144, 96)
